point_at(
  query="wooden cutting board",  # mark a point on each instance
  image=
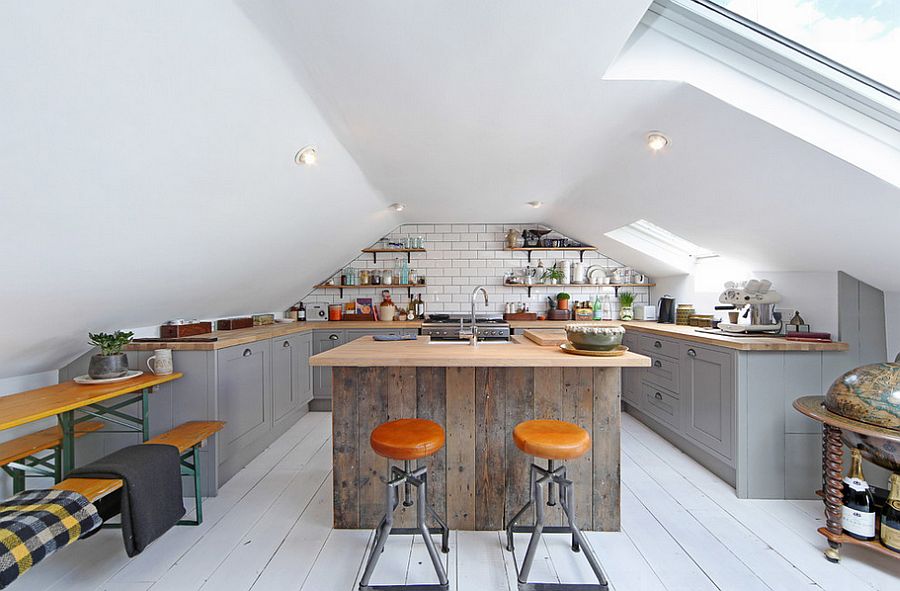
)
(553, 337)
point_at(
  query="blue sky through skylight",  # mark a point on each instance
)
(863, 35)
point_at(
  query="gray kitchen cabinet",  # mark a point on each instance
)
(631, 376)
(245, 395)
(708, 395)
(291, 376)
(324, 340)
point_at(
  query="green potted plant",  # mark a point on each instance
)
(553, 274)
(562, 300)
(626, 301)
(110, 362)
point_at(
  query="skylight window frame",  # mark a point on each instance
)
(793, 60)
(661, 244)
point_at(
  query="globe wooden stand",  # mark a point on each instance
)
(832, 469)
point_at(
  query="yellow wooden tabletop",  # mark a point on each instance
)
(33, 405)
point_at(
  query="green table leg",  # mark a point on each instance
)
(67, 424)
(145, 413)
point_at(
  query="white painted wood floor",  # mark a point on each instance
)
(270, 530)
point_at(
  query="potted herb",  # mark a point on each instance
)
(553, 274)
(562, 300)
(626, 300)
(110, 362)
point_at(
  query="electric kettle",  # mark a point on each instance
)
(665, 310)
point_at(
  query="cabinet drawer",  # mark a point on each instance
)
(661, 404)
(663, 371)
(659, 346)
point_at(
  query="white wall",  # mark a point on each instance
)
(892, 323)
(814, 294)
(146, 158)
(460, 257)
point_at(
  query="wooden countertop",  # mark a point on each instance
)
(242, 336)
(367, 352)
(231, 338)
(689, 333)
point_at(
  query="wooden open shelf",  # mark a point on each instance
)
(872, 545)
(615, 286)
(529, 249)
(408, 286)
(376, 251)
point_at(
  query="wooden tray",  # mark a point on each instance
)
(617, 352)
(176, 331)
(547, 337)
(520, 316)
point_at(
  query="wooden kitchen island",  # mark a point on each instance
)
(479, 479)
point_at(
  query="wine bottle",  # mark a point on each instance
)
(890, 515)
(858, 512)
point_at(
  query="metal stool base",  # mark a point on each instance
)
(418, 479)
(552, 477)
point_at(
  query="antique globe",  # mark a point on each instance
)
(870, 394)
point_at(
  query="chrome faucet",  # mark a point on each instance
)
(472, 334)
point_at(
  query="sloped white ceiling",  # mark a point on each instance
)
(146, 153)
(146, 158)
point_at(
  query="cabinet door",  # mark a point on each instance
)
(304, 350)
(631, 376)
(285, 376)
(245, 394)
(707, 395)
(325, 341)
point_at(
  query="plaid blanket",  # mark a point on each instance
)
(36, 523)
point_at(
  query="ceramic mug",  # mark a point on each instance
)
(160, 363)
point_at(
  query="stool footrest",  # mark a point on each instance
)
(547, 529)
(423, 587)
(562, 587)
(409, 531)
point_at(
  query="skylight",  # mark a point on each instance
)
(860, 38)
(660, 244)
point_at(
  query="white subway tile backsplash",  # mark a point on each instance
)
(461, 256)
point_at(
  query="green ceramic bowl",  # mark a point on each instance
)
(594, 338)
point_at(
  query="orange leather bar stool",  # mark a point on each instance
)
(552, 441)
(407, 440)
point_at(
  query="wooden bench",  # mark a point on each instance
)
(18, 456)
(187, 437)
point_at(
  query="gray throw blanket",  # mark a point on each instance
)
(151, 501)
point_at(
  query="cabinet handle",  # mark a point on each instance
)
(657, 363)
(247, 352)
(691, 353)
(286, 344)
(333, 337)
(658, 396)
(658, 345)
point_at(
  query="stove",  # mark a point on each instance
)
(446, 327)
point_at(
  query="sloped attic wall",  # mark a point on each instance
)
(146, 153)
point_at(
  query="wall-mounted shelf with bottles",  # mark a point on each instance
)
(579, 249)
(615, 286)
(408, 286)
(376, 251)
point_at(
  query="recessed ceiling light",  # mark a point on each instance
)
(535, 204)
(308, 156)
(656, 141)
(398, 206)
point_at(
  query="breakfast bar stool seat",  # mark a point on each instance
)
(552, 441)
(408, 440)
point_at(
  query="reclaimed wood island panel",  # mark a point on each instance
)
(478, 394)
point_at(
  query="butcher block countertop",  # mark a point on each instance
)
(243, 336)
(520, 352)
